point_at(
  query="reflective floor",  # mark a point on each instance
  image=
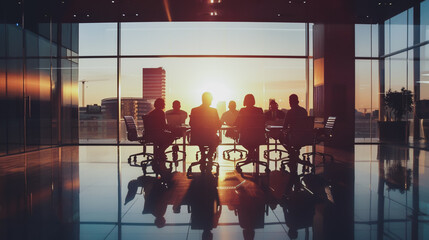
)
(81, 192)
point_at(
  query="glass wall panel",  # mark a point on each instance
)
(362, 40)
(15, 106)
(398, 72)
(3, 106)
(398, 32)
(212, 38)
(98, 100)
(98, 39)
(374, 40)
(45, 103)
(14, 41)
(226, 78)
(424, 21)
(32, 90)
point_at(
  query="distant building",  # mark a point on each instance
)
(135, 107)
(153, 83)
(90, 112)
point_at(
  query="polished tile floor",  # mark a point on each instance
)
(81, 192)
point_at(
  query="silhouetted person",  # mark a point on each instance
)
(158, 133)
(204, 122)
(295, 113)
(176, 117)
(245, 119)
(293, 120)
(229, 118)
(274, 116)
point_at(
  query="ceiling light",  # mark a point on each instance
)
(137, 14)
(278, 15)
(87, 15)
(74, 15)
(113, 1)
(123, 14)
(304, 2)
(290, 1)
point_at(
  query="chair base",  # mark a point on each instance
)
(227, 154)
(314, 154)
(205, 167)
(275, 150)
(251, 160)
(132, 159)
(146, 163)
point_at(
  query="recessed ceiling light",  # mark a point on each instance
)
(74, 15)
(278, 15)
(123, 14)
(304, 2)
(137, 14)
(290, 1)
(113, 1)
(87, 15)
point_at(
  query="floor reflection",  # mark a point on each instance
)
(83, 193)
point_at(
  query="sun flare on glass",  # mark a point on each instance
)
(221, 92)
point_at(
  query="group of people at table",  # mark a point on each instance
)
(164, 127)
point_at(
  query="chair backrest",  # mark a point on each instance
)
(252, 131)
(131, 128)
(329, 126)
(202, 130)
(174, 119)
(302, 132)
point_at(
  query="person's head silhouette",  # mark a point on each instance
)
(207, 99)
(160, 222)
(232, 105)
(249, 100)
(176, 105)
(273, 105)
(159, 104)
(293, 100)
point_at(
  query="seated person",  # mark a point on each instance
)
(176, 118)
(204, 122)
(274, 116)
(157, 131)
(229, 118)
(296, 112)
(293, 120)
(248, 119)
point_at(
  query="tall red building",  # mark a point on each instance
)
(153, 83)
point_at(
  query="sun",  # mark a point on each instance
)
(220, 91)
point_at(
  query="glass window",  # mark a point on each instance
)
(374, 40)
(14, 41)
(98, 39)
(97, 100)
(212, 38)
(410, 27)
(2, 40)
(362, 40)
(226, 78)
(424, 21)
(424, 72)
(398, 72)
(387, 37)
(398, 32)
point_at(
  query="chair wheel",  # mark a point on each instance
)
(129, 160)
(228, 156)
(267, 170)
(238, 169)
(241, 155)
(135, 159)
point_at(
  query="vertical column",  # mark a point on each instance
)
(118, 82)
(381, 72)
(416, 65)
(334, 79)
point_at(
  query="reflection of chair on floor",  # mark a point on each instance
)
(274, 134)
(299, 209)
(322, 135)
(252, 135)
(232, 133)
(297, 136)
(132, 135)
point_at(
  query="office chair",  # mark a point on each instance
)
(147, 135)
(132, 135)
(252, 135)
(322, 135)
(198, 136)
(274, 134)
(300, 134)
(231, 133)
(175, 122)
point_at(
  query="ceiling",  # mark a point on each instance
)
(82, 11)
